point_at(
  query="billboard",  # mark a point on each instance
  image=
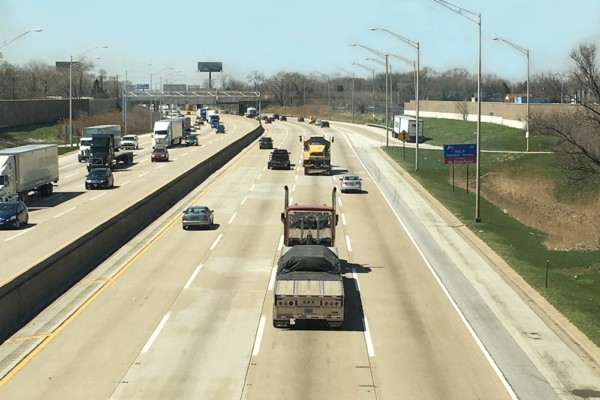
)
(65, 64)
(210, 66)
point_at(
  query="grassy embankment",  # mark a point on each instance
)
(574, 276)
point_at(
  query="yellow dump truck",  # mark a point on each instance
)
(317, 155)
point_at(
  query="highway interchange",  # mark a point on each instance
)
(187, 314)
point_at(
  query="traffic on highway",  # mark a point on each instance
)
(317, 271)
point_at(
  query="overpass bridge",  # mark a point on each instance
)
(192, 97)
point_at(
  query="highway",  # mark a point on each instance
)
(71, 211)
(187, 314)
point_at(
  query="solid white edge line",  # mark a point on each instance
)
(486, 354)
(280, 245)
(155, 333)
(348, 243)
(368, 341)
(244, 200)
(189, 282)
(216, 241)
(64, 212)
(232, 218)
(259, 336)
(343, 219)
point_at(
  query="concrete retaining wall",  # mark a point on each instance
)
(28, 294)
(508, 114)
(29, 112)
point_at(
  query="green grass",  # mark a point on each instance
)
(574, 276)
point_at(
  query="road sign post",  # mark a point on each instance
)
(460, 154)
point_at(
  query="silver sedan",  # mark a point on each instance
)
(200, 216)
(350, 182)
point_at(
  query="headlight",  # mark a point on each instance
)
(12, 218)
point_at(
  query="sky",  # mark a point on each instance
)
(306, 36)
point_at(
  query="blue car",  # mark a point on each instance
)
(13, 214)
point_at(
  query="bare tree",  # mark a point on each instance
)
(578, 130)
(256, 79)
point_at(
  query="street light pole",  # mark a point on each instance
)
(12, 39)
(348, 72)
(71, 90)
(373, 77)
(380, 54)
(476, 18)
(526, 52)
(416, 45)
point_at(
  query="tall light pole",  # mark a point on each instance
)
(390, 102)
(373, 72)
(476, 18)
(416, 46)
(158, 72)
(385, 56)
(352, 73)
(328, 92)
(526, 52)
(71, 90)
(125, 101)
(12, 39)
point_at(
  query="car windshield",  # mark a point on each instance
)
(160, 150)
(132, 138)
(98, 172)
(8, 208)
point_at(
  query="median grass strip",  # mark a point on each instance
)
(574, 276)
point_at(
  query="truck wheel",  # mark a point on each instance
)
(305, 171)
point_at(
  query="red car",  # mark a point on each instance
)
(159, 154)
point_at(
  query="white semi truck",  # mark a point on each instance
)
(86, 138)
(168, 132)
(29, 168)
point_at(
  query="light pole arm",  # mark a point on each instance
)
(9, 41)
(470, 15)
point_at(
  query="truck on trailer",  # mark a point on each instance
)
(168, 132)
(308, 281)
(86, 138)
(29, 168)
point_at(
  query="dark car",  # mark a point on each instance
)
(201, 216)
(275, 116)
(269, 120)
(279, 159)
(191, 140)
(282, 118)
(13, 214)
(324, 124)
(265, 143)
(300, 119)
(159, 154)
(220, 129)
(99, 178)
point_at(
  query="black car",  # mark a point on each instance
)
(191, 140)
(301, 119)
(265, 143)
(324, 124)
(13, 214)
(282, 118)
(275, 116)
(99, 178)
(279, 159)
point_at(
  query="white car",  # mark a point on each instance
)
(350, 183)
(130, 142)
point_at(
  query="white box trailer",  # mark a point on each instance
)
(168, 132)
(407, 124)
(24, 169)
